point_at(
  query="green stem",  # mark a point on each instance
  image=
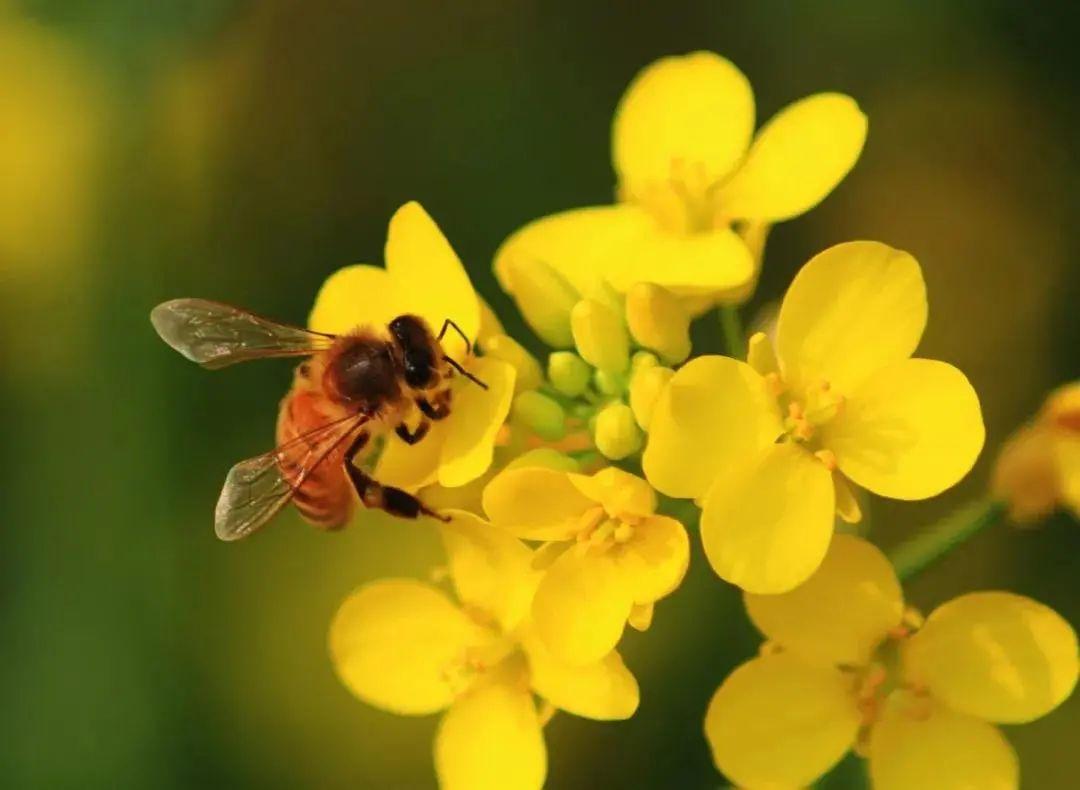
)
(924, 549)
(734, 337)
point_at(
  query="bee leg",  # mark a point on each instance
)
(438, 410)
(393, 500)
(375, 495)
(412, 437)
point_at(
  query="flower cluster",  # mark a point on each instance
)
(560, 480)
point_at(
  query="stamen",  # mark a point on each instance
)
(828, 458)
(589, 521)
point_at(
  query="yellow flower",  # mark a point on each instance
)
(407, 648)
(846, 666)
(1038, 469)
(608, 551)
(424, 277)
(688, 169)
(767, 447)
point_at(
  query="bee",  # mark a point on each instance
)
(352, 388)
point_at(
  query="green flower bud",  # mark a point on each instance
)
(544, 297)
(600, 335)
(616, 433)
(504, 347)
(645, 389)
(642, 360)
(609, 383)
(540, 414)
(658, 320)
(568, 373)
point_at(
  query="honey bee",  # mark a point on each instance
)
(352, 388)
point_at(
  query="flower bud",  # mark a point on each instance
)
(642, 360)
(608, 383)
(540, 414)
(616, 433)
(600, 336)
(544, 297)
(504, 347)
(645, 389)
(568, 373)
(658, 320)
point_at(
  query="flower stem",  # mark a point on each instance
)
(928, 547)
(734, 337)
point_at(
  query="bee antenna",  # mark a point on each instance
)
(449, 323)
(457, 366)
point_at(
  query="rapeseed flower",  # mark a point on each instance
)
(847, 666)
(690, 171)
(768, 447)
(423, 276)
(608, 555)
(407, 648)
(1038, 469)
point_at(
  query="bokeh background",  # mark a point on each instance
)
(243, 150)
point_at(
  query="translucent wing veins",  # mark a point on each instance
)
(216, 335)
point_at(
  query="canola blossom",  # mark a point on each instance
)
(572, 481)
(1038, 469)
(846, 666)
(769, 446)
(607, 552)
(690, 172)
(408, 648)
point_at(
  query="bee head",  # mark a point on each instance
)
(419, 350)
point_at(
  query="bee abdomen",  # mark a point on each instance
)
(324, 496)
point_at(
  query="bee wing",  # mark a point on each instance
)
(216, 335)
(256, 489)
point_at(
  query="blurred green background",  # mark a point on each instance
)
(244, 150)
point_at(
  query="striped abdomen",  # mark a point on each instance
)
(325, 497)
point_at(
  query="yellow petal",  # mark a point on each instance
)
(477, 416)
(778, 721)
(910, 431)
(841, 613)
(535, 503)
(581, 605)
(655, 558)
(395, 644)
(429, 276)
(491, 569)
(995, 655)
(766, 524)
(490, 325)
(605, 690)
(580, 245)
(851, 310)
(1067, 457)
(641, 616)
(713, 415)
(847, 504)
(919, 744)
(687, 265)
(346, 300)
(545, 457)
(491, 738)
(796, 159)
(411, 466)
(620, 493)
(697, 109)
